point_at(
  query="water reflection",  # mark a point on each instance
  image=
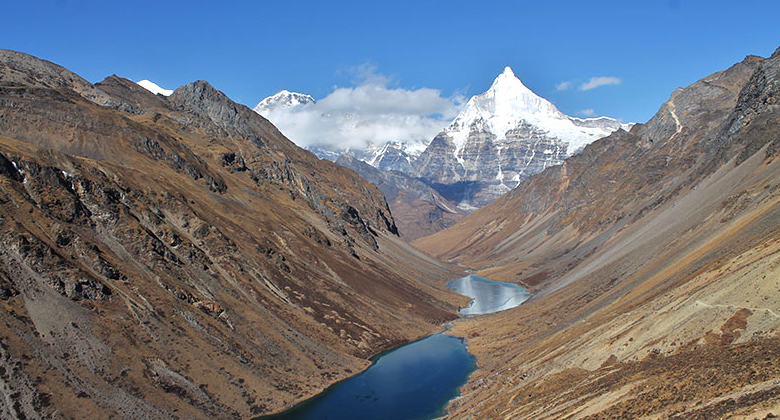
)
(488, 296)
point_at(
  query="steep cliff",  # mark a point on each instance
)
(501, 137)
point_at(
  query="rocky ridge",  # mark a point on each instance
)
(425, 210)
(179, 258)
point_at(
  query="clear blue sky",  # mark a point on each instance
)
(251, 50)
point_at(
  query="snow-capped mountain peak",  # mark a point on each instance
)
(509, 103)
(283, 99)
(154, 88)
(501, 137)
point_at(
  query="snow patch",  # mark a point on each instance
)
(154, 88)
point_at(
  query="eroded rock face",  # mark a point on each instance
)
(178, 257)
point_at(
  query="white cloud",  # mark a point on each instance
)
(588, 112)
(562, 86)
(371, 112)
(595, 82)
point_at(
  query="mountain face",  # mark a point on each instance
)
(654, 259)
(500, 138)
(390, 156)
(177, 257)
(426, 211)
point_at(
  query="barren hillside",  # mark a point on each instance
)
(178, 257)
(654, 256)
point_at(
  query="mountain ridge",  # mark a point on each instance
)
(500, 137)
(178, 257)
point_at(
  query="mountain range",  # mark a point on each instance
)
(501, 137)
(178, 257)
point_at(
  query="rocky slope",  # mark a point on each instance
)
(425, 210)
(177, 257)
(503, 136)
(654, 256)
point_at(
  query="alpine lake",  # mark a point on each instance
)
(414, 381)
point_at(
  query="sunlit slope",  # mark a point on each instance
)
(655, 258)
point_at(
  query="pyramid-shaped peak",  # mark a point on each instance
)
(507, 82)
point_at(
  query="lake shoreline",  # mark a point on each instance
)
(488, 296)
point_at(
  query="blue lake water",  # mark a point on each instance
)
(414, 381)
(488, 296)
(411, 382)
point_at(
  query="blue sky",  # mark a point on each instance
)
(251, 50)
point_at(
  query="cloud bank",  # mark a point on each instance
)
(595, 82)
(371, 112)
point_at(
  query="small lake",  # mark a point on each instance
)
(488, 296)
(411, 382)
(414, 381)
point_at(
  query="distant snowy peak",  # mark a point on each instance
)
(394, 155)
(509, 103)
(283, 99)
(412, 149)
(390, 156)
(154, 88)
(602, 122)
(500, 138)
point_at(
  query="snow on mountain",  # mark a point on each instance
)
(508, 103)
(385, 156)
(283, 99)
(154, 88)
(393, 155)
(500, 138)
